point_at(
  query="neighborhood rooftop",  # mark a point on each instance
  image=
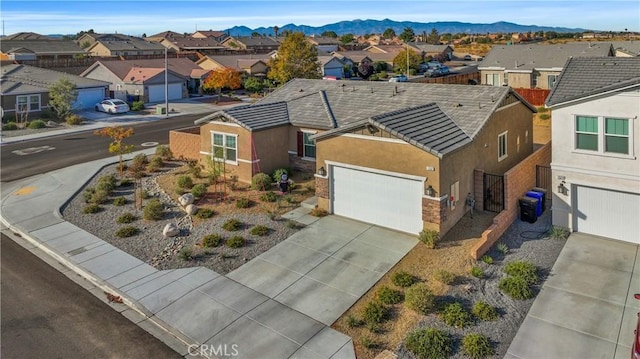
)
(583, 77)
(24, 79)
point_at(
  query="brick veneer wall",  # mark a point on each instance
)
(517, 181)
(478, 189)
(434, 210)
(185, 143)
(322, 187)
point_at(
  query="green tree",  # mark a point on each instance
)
(275, 30)
(255, 34)
(296, 58)
(400, 61)
(434, 37)
(347, 38)
(253, 84)
(329, 34)
(389, 33)
(62, 95)
(407, 34)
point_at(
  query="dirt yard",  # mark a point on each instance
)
(541, 128)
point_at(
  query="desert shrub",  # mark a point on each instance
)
(243, 202)
(269, 197)
(291, 199)
(502, 248)
(119, 201)
(487, 259)
(420, 298)
(477, 272)
(11, 126)
(232, 225)
(429, 343)
(140, 160)
(92, 208)
(542, 109)
(318, 212)
(353, 321)
(186, 253)
(484, 311)
(185, 181)
(127, 217)
(164, 152)
(403, 279)
(194, 168)
(110, 179)
(199, 190)
(259, 230)
(211, 240)
(476, 346)
(105, 186)
(429, 237)
(277, 174)
(388, 295)
(126, 182)
(153, 210)
(157, 161)
(516, 287)
(204, 213)
(73, 120)
(544, 116)
(375, 312)
(235, 242)
(558, 232)
(291, 224)
(444, 276)
(456, 316)
(137, 106)
(260, 181)
(523, 269)
(34, 125)
(368, 342)
(88, 192)
(145, 194)
(127, 231)
(99, 196)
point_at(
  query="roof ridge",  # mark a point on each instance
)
(327, 108)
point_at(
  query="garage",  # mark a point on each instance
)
(607, 213)
(391, 200)
(156, 92)
(87, 98)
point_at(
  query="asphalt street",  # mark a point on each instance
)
(46, 315)
(25, 159)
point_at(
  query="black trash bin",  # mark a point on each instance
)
(528, 209)
(544, 196)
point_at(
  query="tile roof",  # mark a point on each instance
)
(253, 117)
(527, 57)
(26, 36)
(142, 74)
(357, 56)
(584, 77)
(238, 61)
(631, 47)
(131, 45)
(212, 33)
(182, 66)
(42, 47)
(429, 48)
(23, 79)
(323, 40)
(189, 43)
(254, 41)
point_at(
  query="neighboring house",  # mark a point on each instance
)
(626, 48)
(432, 51)
(324, 44)
(112, 46)
(190, 44)
(259, 44)
(355, 58)
(250, 64)
(145, 78)
(39, 49)
(401, 155)
(219, 36)
(163, 35)
(534, 66)
(89, 38)
(25, 89)
(331, 66)
(596, 142)
(25, 36)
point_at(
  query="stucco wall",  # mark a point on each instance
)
(271, 148)
(484, 73)
(242, 168)
(519, 80)
(185, 143)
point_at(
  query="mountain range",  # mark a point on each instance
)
(362, 27)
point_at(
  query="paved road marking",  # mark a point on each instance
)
(33, 150)
(149, 144)
(24, 191)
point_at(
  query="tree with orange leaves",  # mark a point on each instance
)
(223, 78)
(117, 147)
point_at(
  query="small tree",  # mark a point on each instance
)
(297, 58)
(224, 78)
(389, 33)
(117, 147)
(400, 61)
(62, 95)
(253, 84)
(407, 34)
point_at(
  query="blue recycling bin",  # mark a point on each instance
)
(538, 196)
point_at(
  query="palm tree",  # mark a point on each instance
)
(275, 30)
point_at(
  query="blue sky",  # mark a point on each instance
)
(153, 16)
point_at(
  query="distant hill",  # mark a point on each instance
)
(361, 27)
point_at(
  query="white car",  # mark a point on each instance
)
(112, 106)
(399, 78)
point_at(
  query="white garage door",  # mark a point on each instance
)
(385, 200)
(607, 213)
(156, 92)
(87, 98)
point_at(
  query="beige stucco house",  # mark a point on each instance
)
(596, 139)
(401, 155)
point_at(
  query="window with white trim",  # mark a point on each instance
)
(492, 79)
(551, 81)
(225, 146)
(502, 146)
(28, 102)
(308, 145)
(604, 135)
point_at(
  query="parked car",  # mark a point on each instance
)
(398, 78)
(112, 106)
(467, 57)
(435, 72)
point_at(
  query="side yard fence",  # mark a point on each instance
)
(185, 143)
(536, 97)
(517, 181)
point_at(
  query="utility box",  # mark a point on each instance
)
(528, 208)
(161, 110)
(538, 196)
(544, 197)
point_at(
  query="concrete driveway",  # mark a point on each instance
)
(585, 308)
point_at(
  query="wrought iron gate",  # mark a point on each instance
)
(493, 192)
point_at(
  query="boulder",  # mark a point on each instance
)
(52, 124)
(186, 199)
(191, 209)
(170, 230)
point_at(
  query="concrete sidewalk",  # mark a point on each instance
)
(253, 312)
(585, 308)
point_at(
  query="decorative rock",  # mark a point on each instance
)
(170, 230)
(52, 124)
(191, 209)
(185, 199)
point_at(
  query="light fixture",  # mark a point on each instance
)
(322, 172)
(429, 191)
(562, 189)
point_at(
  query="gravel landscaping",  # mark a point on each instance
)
(151, 246)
